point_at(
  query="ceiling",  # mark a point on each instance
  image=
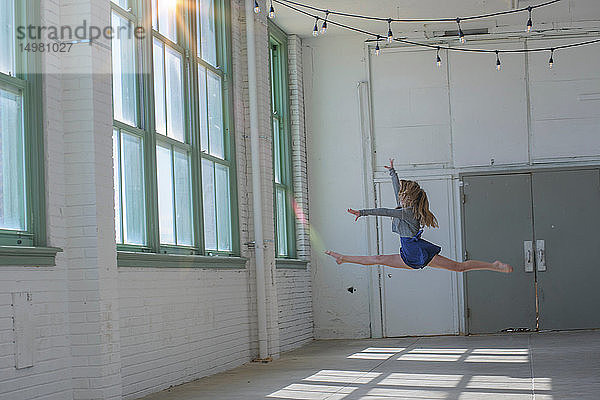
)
(294, 23)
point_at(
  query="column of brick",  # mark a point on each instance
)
(295, 286)
(89, 212)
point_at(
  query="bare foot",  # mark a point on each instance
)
(337, 256)
(501, 267)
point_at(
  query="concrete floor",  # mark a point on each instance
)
(541, 366)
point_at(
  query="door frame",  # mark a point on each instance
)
(529, 169)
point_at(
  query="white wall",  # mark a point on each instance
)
(436, 122)
(332, 69)
(177, 326)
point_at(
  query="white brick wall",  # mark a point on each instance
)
(294, 296)
(298, 133)
(294, 288)
(103, 332)
(177, 326)
(50, 376)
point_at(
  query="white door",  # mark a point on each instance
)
(419, 302)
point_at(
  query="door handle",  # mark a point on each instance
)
(528, 253)
(540, 247)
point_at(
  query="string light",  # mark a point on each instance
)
(420, 20)
(498, 65)
(529, 21)
(390, 35)
(438, 60)
(324, 26)
(377, 49)
(461, 34)
(289, 4)
(256, 7)
(551, 60)
(271, 11)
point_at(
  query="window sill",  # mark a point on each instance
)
(154, 260)
(28, 256)
(290, 263)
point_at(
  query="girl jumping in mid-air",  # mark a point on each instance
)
(408, 219)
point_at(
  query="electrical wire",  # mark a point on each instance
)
(417, 20)
(436, 46)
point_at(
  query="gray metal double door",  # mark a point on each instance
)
(545, 224)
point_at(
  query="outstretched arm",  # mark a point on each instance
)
(381, 212)
(395, 180)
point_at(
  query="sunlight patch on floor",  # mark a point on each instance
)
(421, 380)
(299, 391)
(381, 393)
(339, 376)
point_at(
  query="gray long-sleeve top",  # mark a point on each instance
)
(404, 222)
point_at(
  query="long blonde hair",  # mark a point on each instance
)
(413, 196)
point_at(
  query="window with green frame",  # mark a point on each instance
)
(285, 237)
(21, 169)
(174, 175)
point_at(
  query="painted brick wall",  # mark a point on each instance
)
(177, 326)
(294, 297)
(90, 244)
(294, 288)
(103, 332)
(181, 325)
(50, 376)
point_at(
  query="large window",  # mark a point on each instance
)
(285, 238)
(174, 170)
(21, 186)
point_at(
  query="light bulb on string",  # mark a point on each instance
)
(271, 11)
(438, 60)
(529, 21)
(390, 35)
(256, 7)
(461, 34)
(498, 64)
(377, 49)
(316, 28)
(324, 26)
(551, 60)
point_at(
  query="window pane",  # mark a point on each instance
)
(207, 42)
(215, 116)
(124, 78)
(160, 117)
(12, 162)
(174, 90)
(282, 245)
(134, 208)
(223, 208)
(273, 55)
(164, 18)
(276, 150)
(203, 108)
(155, 15)
(117, 183)
(124, 4)
(7, 37)
(208, 198)
(183, 199)
(165, 195)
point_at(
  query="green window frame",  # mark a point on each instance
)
(283, 191)
(175, 178)
(22, 192)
